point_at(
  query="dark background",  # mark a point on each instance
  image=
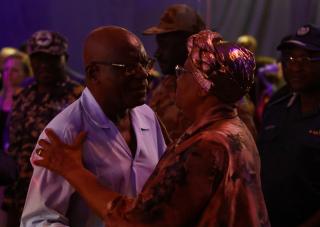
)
(268, 20)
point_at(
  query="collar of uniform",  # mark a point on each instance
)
(295, 99)
(223, 111)
(93, 110)
(292, 100)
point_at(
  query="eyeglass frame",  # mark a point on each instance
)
(148, 67)
(179, 70)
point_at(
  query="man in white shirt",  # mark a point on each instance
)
(124, 140)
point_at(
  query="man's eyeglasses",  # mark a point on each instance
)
(300, 60)
(129, 69)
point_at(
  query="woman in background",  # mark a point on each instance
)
(16, 74)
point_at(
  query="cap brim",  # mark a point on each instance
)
(157, 30)
(297, 43)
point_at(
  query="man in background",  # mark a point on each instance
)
(35, 107)
(177, 23)
(124, 139)
(289, 142)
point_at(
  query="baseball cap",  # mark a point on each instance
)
(177, 17)
(306, 37)
(47, 42)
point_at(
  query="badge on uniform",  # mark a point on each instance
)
(314, 132)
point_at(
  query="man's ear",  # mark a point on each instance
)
(92, 72)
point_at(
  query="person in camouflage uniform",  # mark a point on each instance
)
(34, 108)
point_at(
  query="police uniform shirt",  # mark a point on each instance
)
(289, 146)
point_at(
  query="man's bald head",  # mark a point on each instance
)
(116, 74)
(113, 44)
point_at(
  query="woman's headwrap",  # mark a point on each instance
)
(223, 68)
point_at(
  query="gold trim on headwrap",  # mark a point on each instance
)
(200, 48)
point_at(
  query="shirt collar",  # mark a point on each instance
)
(295, 101)
(97, 116)
(292, 99)
(140, 118)
(93, 110)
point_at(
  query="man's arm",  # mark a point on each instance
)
(66, 160)
(48, 196)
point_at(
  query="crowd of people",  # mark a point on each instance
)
(223, 138)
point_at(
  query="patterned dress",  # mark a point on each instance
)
(209, 177)
(31, 112)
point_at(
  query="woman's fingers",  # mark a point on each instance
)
(40, 151)
(54, 139)
(79, 140)
(45, 153)
(46, 159)
(44, 144)
(52, 136)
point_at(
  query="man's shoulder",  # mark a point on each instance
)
(275, 114)
(281, 101)
(66, 124)
(26, 91)
(276, 111)
(70, 115)
(24, 98)
(281, 96)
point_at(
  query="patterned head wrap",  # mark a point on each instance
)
(223, 68)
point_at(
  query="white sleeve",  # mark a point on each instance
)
(48, 196)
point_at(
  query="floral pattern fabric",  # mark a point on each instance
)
(209, 177)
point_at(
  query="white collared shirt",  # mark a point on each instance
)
(51, 201)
